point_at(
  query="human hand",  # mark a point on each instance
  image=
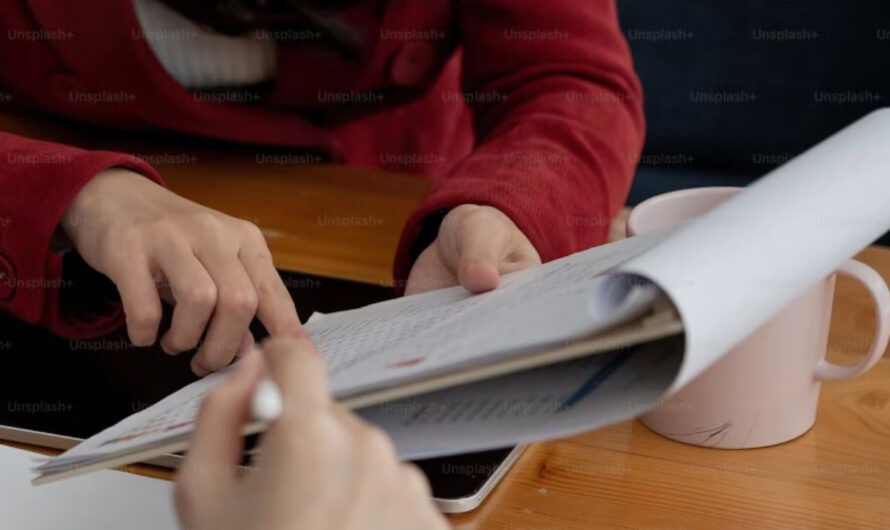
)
(318, 467)
(215, 269)
(474, 247)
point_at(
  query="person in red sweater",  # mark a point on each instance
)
(526, 114)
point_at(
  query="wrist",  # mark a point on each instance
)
(85, 211)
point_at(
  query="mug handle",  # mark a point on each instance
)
(877, 288)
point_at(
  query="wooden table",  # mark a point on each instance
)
(624, 476)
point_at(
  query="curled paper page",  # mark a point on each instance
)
(730, 270)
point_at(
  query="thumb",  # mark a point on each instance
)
(299, 373)
(480, 248)
(216, 443)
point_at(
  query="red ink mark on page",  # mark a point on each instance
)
(407, 362)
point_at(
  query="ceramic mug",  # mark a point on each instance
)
(764, 391)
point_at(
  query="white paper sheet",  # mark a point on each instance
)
(396, 341)
(731, 270)
(102, 500)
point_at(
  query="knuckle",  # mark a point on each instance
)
(266, 288)
(271, 287)
(210, 228)
(211, 363)
(204, 219)
(201, 295)
(144, 316)
(239, 301)
(177, 343)
(252, 231)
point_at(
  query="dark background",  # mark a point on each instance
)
(790, 72)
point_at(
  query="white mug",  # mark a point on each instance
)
(764, 391)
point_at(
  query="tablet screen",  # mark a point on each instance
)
(76, 388)
(79, 387)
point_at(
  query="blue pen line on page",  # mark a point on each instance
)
(598, 377)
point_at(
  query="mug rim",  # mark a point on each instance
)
(637, 210)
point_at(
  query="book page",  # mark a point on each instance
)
(168, 420)
(544, 403)
(732, 269)
(404, 339)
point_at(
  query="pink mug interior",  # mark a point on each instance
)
(675, 207)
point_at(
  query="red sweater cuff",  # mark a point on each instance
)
(39, 182)
(553, 232)
(103, 317)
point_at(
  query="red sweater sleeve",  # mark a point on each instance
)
(558, 117)
(38, 180)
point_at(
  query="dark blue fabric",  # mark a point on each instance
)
(733, 89)
(783, 69)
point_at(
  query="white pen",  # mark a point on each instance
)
(266, 402)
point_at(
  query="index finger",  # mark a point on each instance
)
(216, 443)
(275, 307)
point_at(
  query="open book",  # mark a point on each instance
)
(590, 339)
